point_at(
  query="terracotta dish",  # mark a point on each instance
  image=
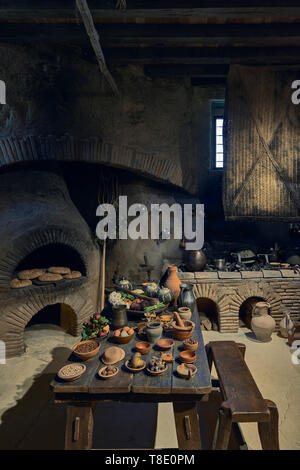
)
(152, 372)
(123, 339)
(135, 369)
(112, 355)
(167, 357)
(189, 346)
(165, 318)
(165, 343)
(143, 347)
(188, 356)
(186, 371)
(85, 356)
(71, 371)
(182, 334)
(100, 372)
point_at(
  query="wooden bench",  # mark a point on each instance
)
(243, 401)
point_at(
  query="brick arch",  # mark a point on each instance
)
(93, 150)
(254, 289)
(16, 318)
(217, 294)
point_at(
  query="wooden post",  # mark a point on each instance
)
(187, 425)
(79, 427)
(268, 431)
(224, 428)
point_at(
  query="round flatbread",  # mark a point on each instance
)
(30, 273)
(59, 270)
(73, 275)
(49, 277)
(18, 283)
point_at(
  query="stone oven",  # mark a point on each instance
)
(41, 227)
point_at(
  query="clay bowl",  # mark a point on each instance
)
(188, 356)
(182, 334)
(143, 347)
(74, 376)
(188, 325)
(123, 339)
(190, 347)
(152, 372)
(165, 318)
(100, 373)
(165, 343)
(167, 357)
(85, 356)
(135, 369)
(186, 371)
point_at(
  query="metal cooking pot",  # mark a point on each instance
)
(244, 256)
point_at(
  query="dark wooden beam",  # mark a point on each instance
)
(116, 35)
(58, 11)
(202, 55)
(175, 71)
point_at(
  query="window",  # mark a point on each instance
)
(217, 134)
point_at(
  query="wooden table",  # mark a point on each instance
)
(82, 395)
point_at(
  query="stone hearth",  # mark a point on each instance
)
(229, 291)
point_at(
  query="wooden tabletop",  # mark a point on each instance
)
(140, 383)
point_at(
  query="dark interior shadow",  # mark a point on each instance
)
(37, 423)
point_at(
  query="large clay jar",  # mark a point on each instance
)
(195, 260)
(173, 282)
(154, 331)
(262, 323)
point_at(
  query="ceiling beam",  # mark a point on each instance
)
(53, 11)
(119, 35)
(175, 71)
(202, 55)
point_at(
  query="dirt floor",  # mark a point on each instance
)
(30, 419)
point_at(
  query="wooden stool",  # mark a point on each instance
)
(243, 402)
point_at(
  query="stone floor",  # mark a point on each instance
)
(30, 420)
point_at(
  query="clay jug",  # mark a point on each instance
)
(262, 323)
(186, 297)
(286, 324)
(173, 282)
(154, 331)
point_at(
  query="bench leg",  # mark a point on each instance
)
(187, 425)
(209, 356)
(242, 348)
(223, 429)
(268, 431)
(79, 427)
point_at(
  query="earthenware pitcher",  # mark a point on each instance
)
(262, 323)
(186, 297)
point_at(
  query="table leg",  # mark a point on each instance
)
(79, 426)
(187, 425)
(268, 432)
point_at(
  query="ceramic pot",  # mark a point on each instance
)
(195, 260)
(285, 325)
(154, 331)
(186, 297)
(151, 289)
(262, 323)
(185, 313)
(165, 295)
(119, 316)
(125, 284)
(173, 282)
